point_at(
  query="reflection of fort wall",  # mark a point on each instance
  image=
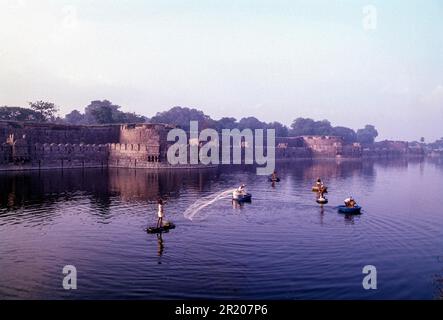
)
(315, 147)
(147, 185)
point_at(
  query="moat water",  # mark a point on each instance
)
(281, 246)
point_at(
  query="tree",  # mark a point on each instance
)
(422, 139)
(19, 114)
(367, 135)
(102, 115)
(302, 126)
(105, 112)
(181, 116)
(100, 112)
(348, 135)
(307, 127)
(280, 129)
(47, 110)
(75, 117)
(251, 123)
(227, 123)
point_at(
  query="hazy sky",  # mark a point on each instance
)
(276, 60)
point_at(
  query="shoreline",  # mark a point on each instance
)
(32, 167)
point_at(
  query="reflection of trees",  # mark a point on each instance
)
(312, 169)
(436, 161)
(148, 185)
(160, 247)
(43, 190)
(20, 190)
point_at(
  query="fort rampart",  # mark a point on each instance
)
(25, 145)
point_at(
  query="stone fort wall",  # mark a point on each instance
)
(33, 145)
(42, 145)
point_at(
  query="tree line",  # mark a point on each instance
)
(105, 112)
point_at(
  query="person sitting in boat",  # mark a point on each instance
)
(240, 191)
(160, 213)
(350, 202)
(274, 176)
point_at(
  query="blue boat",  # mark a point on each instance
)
(349, 210)
(243, 198)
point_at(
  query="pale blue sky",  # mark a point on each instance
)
(276, 60)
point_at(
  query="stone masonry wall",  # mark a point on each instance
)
(50, 145)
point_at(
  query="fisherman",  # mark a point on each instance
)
(321, 188)
(239, 192)
(274, 176)
(160, 213)
(242, 189)
(319, 184)
(350, 202)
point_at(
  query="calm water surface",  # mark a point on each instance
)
(281, 246)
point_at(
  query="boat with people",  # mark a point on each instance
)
(274, 177)
(319, 187)
(241, 195)
(322, 200)
(350, 207)
(164, 228)
(243, 198)
(349, 210)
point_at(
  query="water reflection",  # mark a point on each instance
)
(43, 190)
(97, 217)
(102, 187)
(161, 247)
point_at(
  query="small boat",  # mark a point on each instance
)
(349, 210)
(322, 200)
(165, 228)
(242, 197)
(273, 180)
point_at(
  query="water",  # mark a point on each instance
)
(281, 246)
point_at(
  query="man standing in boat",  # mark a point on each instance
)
(160, 213)
(320, 188)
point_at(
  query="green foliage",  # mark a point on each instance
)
(251, 123)
(75, 117)
(47, 110)
(105, 112)
(306, 126)
(102, 112)
(227, 123)
(367, 135)
(182, 116)
(348, 135)
(19, 114)
(280, 129)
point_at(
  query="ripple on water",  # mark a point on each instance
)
(281, 246)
